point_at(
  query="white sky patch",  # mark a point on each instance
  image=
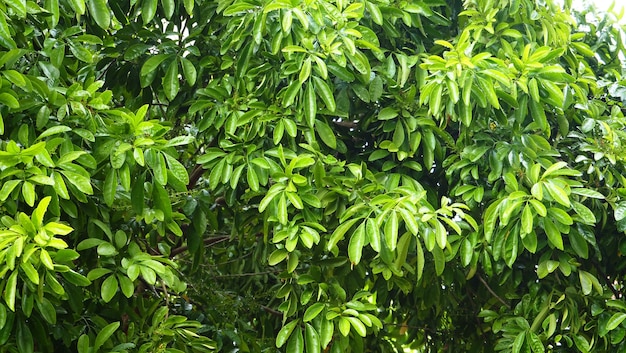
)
(615, 8)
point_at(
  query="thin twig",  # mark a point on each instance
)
(271, 311)
(166, 294)
(482, 280)
(207, 241)
(249, 274)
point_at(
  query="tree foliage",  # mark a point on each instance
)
(311, 176)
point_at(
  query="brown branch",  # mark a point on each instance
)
(248, 274)
(482, 280)
(195, 176)
(271, 311)
(206, 241)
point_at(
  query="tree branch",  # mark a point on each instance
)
(248, 274)
(195, 176)
(271, 311)
(482, 280)
(206, 241)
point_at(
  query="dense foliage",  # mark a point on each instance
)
(308, 176)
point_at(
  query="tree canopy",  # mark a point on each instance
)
(311, 176)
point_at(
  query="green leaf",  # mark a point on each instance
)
(489, 218)
(374, 12)
(76, 278)
(305, 71)
(104, 335)
(358, 326)
(296, 342)
(55, 130)
(409, 221)
(391, 230)
(24, 338)
(326, 134)
(373, 234)
(313, 311)
(28, 192)
(30, 272)
(420, 260)
(178, 170)
(539, 207)
(282, 214)
(402, 250)
(7, 187)
(326, 332)
(538, 113)
(339, 233)
(518, 342)
(558, 194)
(159, 168)
(82, 183)
(620, 211)
(168, 8)
(586, 281)
(530, 241)
(59, 186)
(387, 113)
(467, 251)
(579, 243)
(189, 70)
(509, 208)
(285, 332)
(3, 316)
(162, 201)
(441, 234)
(99, 10)
(310, 105)
(10, 290)
(325, 93)
(106, 249)
(110, 187)
(171, 85)
(534, 342)
(148, 10)
(9, 100)
(312, 339)
(47, 310)
(126, 285)
(560, 216)
(546, 267)
(553, 168)
(344, 326)
(440, 260)
(109, 288)
(588, 193)
(152, 64)
(553, 233)
(355, 246)
(189, 6)
(615, 320)
(78, 6)
(527, 220)
(46, 260)
(291, 92)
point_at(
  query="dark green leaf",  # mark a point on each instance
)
(99, 10)
(104, 334)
